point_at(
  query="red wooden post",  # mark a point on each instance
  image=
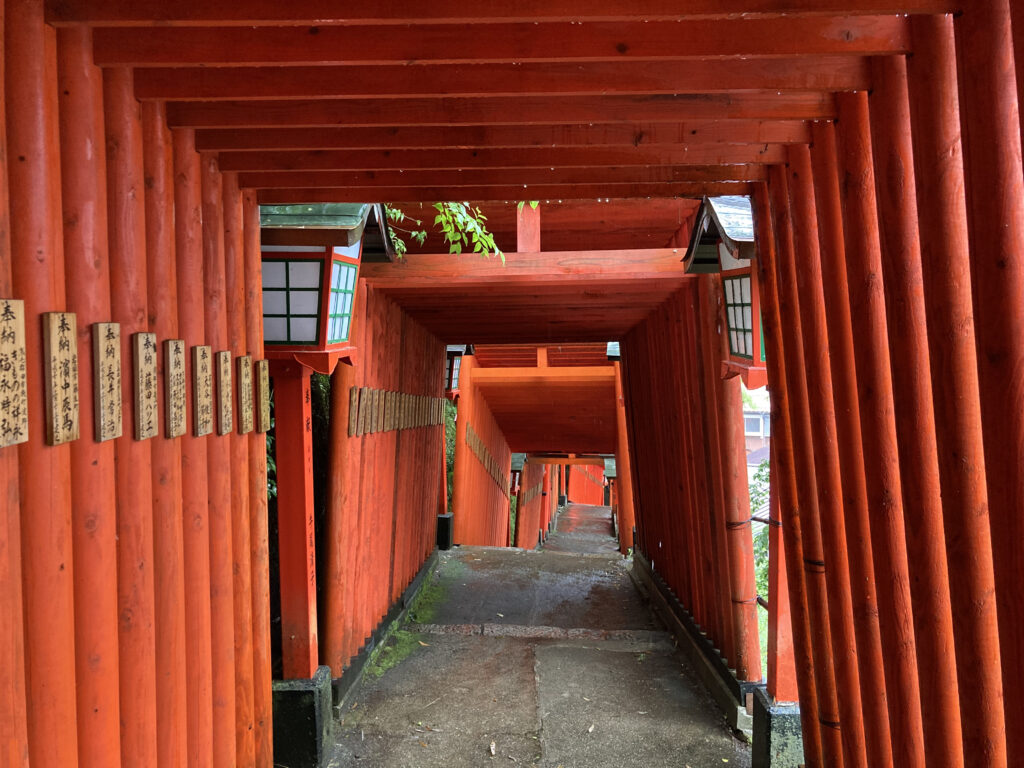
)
(294, 448)
(341, 516)
(94, 515)
(168, 545)
(842, 501)
(814, 565)
(13, 728)
(37, 265)
(195, 506)
(464, 504)
(775, 240)
(990, 121)
(527, 229)
(915, 420)
(624, 480)
(863, 274)
(218, 460)
(129, 301)
(259, 544)
(781, 673)
(942, 213)
(234, 296)
(736, 495)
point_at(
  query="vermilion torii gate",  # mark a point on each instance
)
(881, 143)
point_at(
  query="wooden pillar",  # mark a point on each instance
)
(294, 448)
(259, 560)
(218, 460)
(528, 229)
(624, 480)
(195, 509)
(991, 129)
(13, 727)
(773, 246)
(736, 497)
(463, 521)
(342, 510)
(94, 515)
(822, 601)
(1017, 12)
(914, 417)
(129, 301)
(781, 672)
(168, 545)
(241, 541)
(842, 496)
(863, 275)
(942, 213)
(37, 265)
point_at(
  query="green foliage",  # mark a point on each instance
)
(513, 503)
(450, 411)
(533, 204)
(759, 493)
(462, 225)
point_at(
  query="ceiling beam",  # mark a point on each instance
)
(391, 12)
(434, 272)
(540, 158)
(454, 137)
(522, 110)
(824, 73)
(501, 176)
(497, 43)
(500, 193)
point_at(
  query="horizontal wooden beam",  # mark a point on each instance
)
(497, 43)
(523, 110)
(543, 192)
(463, 136)
(575, 461)
(501, 176)
(397, 12)
(539, 157)
(433, 272)
(825, 73)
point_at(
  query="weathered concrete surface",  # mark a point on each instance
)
(583, 528)
(553, 657)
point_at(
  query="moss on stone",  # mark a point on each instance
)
(400, 645)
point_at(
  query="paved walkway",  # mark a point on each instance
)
(543, 659)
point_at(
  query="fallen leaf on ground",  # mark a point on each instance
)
(591, 728)
(502, 615)
(423, 744)
(422, 643)
(493, 747)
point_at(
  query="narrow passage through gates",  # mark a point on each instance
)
(538, 658)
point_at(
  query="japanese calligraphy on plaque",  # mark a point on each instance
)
(106, 371)
(60, 357)
(262, 396)
(144, 376)
(13, 377)
(225, 417)
(202, 387)
(174, 387)
(245, 404)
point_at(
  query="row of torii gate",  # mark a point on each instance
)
(879, 142)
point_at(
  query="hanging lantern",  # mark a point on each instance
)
(310, 262)
(723, 242)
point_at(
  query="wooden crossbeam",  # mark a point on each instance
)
(578, 157)
(396, 12)
(645, 174)
(495, 43)
(459, 136)
(824, 73)
(543, 192)
(432, 272)
(522, 110)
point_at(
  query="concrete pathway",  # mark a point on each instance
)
(552, 657)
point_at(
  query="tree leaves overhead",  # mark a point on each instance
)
(462, 225)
